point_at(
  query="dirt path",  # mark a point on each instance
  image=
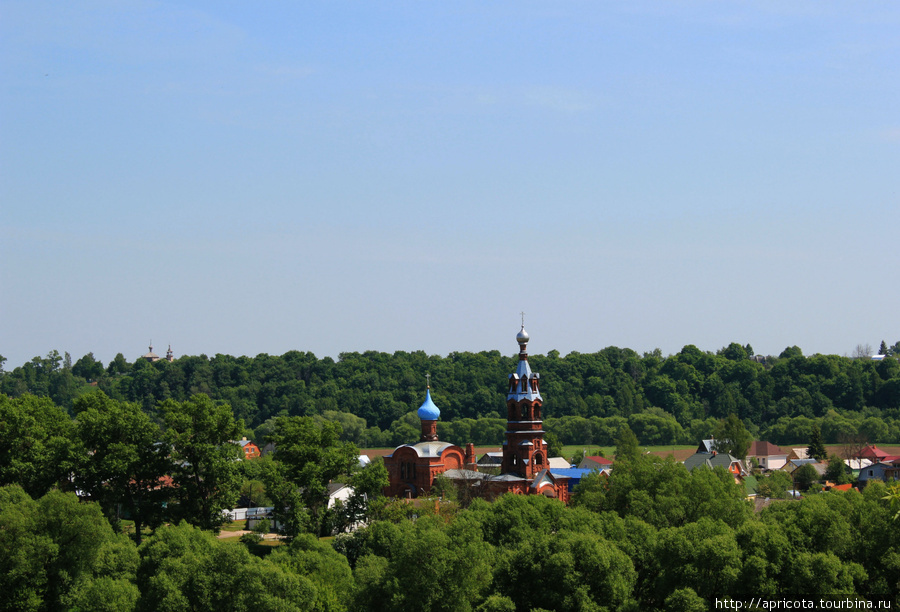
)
(236, 534)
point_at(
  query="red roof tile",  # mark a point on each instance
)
(873, 452)
(600, 460)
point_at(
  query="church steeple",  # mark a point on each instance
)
(524, 451)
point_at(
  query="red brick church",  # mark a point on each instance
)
(524, 469)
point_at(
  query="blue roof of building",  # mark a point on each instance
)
(573, 474)
(428, 411)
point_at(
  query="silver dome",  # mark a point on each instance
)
(522, 337)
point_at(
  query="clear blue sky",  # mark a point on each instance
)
(241, 178)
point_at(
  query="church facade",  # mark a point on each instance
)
(524, 468)
(412, 468)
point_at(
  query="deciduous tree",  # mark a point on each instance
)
(308, 456)
(183, 568)
(732, 437)
(38, 451)
(837, 471)
(805, 476)
(58, 552)
(627, 448)
(201, 433)
(124, 460)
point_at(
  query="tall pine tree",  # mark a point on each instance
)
(816, 450)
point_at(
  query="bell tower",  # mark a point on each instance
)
(524, 451)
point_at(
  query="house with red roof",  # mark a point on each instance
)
(874, 454)
(595, 463)
(251, 450)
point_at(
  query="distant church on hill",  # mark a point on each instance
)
(153, 357)
(524, 469)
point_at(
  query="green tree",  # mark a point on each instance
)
(663, 493)
(627, 448)
(805, 476)
(732, 437)
(183, 568)
(775, 485)
(703, 556)
(368, 490)
(37, 450)
(816, 449)
(554, 446)
(124, 460)
(685, 600)
(424, 565)
(893, 497)
(819, 573)
(307, 457)
(734, 352)
(59, 552)
(883, 349)
(765, 553)
(791, 352)
(319, 563)
(837, 471)
(205, 471)
(569, 570)
(88, 368)
(118, 365)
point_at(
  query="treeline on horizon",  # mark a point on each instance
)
(587, 396)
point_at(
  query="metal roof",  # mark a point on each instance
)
(429, 449)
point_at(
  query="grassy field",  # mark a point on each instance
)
(679, 451)
(235, 526)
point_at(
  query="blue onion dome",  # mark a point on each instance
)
(428, 411)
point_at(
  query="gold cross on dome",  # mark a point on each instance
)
(428, 380)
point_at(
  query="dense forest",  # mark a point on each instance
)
(110, 503)
(587, 397)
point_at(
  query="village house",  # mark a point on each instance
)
(595, 462)
(250, 449)
(767, 455)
